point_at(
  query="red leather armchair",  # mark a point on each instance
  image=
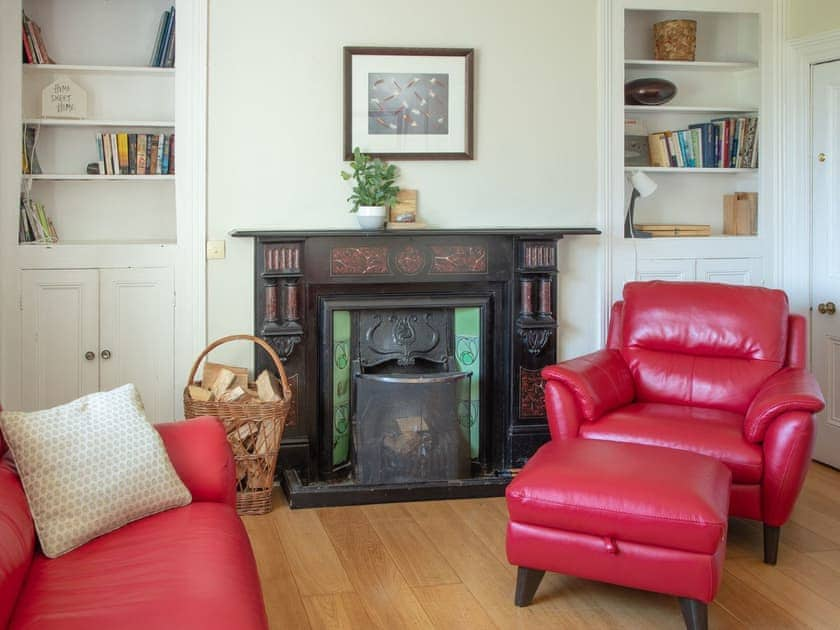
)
(710, 368)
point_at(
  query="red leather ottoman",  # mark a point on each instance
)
(640, 516)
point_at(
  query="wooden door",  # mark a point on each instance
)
(825, 272)
(137, 335)
(60, 346)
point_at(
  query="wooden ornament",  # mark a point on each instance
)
(63, 98)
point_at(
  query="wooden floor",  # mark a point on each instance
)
(442, 564)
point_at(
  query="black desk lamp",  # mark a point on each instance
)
(643, 186)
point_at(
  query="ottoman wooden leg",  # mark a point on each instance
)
(771, 543)
(527, 581)
(695, 613)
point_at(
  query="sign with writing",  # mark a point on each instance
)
(63, 99)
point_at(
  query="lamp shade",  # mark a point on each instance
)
(642, 183)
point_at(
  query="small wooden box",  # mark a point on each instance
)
(740, 214)
(406, 206)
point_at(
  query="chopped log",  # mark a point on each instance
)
(268, 388)
(199, 393)
(212, 370)
(237, 394)
(222, 383)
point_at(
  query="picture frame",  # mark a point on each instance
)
(409, 103)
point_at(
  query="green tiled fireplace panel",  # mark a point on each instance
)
(468, 359)
(341, 386)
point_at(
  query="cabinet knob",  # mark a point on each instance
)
(821, 157)
(828, 308)
(90, 355)
(105, 354)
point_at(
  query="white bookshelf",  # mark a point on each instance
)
(141, 223)
(734, 75)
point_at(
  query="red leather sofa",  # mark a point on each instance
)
(189, 567)
(710, 368)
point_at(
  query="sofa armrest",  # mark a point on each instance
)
(790, 389)
(599, 382)
(201, 455)
(787, 454)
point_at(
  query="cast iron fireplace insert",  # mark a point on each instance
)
(510, 275)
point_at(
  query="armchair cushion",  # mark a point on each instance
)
(188, 568)
(599, 382)
(711, 432)
(199, 451)
(791, 389)
(702, 344)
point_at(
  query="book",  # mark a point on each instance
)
(141, 154)
(149, 170)
(109, 163)
(132, 154)
(164, 167)
(636, 151)
(31, 166)
(169, 62)
(161, 28)
(161, 141)
(122, 149)
(166, 39)
(27, 48)
(674, 229)
(152, 144)
(171, 154)
(115, 154)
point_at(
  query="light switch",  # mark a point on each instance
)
(215, 250)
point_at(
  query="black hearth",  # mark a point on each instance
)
(363, 319)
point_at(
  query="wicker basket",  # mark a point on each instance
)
(675, 40)
(254, 430)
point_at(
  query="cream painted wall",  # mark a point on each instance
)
(275, 129)
(808, 17)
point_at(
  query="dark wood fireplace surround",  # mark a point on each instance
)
(300, 276)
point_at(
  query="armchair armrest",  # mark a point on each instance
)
(201, 455)
(790, 389)
(598, 382)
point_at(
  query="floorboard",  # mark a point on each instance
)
(442, 564)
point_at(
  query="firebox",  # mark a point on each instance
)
(406, 427)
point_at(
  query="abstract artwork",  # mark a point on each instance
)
(409, 103)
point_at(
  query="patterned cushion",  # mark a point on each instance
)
(91, 466)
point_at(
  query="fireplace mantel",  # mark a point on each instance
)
(301, 277)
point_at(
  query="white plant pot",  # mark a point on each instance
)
(371, 217)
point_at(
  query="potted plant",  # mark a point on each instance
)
(373, 191)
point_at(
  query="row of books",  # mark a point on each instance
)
(721, 143)
(136, 153)
(29, 158)
(34, 49)
(35, 225)
(163, 54)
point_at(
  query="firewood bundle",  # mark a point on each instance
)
(250, 439)
(252, 413)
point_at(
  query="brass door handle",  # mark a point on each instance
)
(828, 308)
(821, 157)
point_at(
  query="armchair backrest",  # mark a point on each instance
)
(704, 344)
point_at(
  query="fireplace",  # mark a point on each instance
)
(414, 357)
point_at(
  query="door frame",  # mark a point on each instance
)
(793, 262)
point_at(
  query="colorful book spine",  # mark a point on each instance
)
(115, 154)
(164, 167)
(122, 149)
(141, 154)
(132, 154)
(172, 154)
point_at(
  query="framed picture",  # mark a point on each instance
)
(409, 103)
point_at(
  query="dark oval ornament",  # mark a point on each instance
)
(649, 92)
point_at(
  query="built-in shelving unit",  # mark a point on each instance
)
(727, 79)
(141, 234)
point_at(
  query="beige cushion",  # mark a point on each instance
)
(91, 466)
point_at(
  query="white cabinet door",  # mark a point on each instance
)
(137, 335)
(60, 326)
(674, 269)
(745, 271)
